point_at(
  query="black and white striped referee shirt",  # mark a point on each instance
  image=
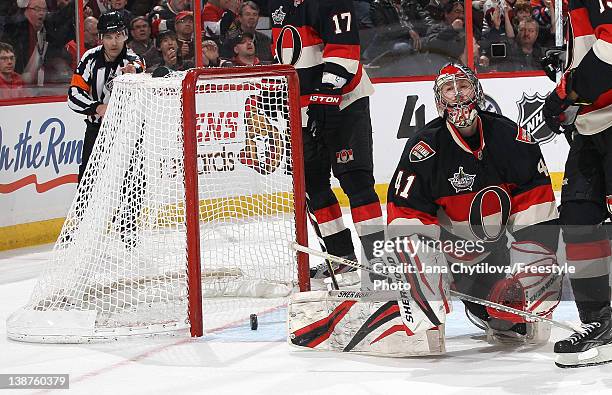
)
(91, 83)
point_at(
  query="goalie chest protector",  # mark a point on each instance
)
(443, 180)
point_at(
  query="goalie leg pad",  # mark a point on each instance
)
(347, 321)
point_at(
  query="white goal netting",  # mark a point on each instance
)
(120, 263)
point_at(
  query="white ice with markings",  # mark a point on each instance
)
(233, 359)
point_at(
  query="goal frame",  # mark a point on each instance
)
(194, 268)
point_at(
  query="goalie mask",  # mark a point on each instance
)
(458, 94)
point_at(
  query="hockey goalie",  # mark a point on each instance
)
(465, 185)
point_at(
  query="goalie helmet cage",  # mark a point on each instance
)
(149, 236)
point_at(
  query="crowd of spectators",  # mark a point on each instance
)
(407, 37)
(38, 49)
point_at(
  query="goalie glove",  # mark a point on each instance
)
(535, 283)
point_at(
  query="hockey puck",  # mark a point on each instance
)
(253, 319)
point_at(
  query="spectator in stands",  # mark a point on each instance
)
(498, 33)
(96, 8)
(389, 13)
(28, 38)
(415, 13)
(60, 24)
(162, 17)
(8, 9)
(498, 20)
(210, 58)
(392, 34)
(184, 34)
(248, 18)
(435, 9)
(525, 53)
(543, 11)
(218, 16)
(522, 10)
(119, 6)
(481, 61)
(11, 84)
(90, 38)
(140, 33)
(167, 45)
(141, 7)
(447, 38)
(244, 50)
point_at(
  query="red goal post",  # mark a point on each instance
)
(193, 193)
(191, 176)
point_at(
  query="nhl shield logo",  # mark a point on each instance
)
(462, 181)
(609, 203)
(531, 118)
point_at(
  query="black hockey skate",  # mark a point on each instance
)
(592, 346)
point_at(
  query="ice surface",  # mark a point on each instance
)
(235, 360)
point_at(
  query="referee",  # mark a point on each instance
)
(90, 88)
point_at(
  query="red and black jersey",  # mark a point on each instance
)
(469, 189)
(319, 36)
(590, 54)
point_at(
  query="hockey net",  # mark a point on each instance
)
(192, 194)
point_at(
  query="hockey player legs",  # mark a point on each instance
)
(589, 180)
(582, 101)
(337, 135)
(347, 152)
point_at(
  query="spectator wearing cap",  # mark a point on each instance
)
(184, 34)
(244, 51)
(210, 55)
(167, 45)
(11, 84)
(119, 6)
(218, 16)
(447, 38)
(248, 18)
(140, 33)
(162, 17)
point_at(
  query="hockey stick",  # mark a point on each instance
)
(459, 295)
(315, 225)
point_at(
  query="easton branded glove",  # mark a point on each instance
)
(324, 109)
